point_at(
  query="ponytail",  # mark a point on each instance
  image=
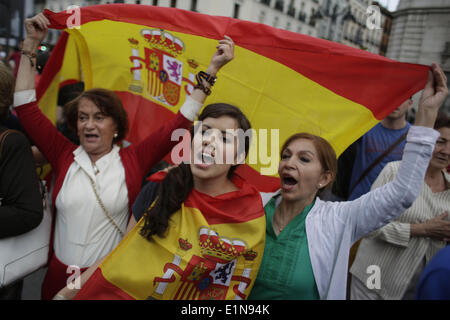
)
(172, 192)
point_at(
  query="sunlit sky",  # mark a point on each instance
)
(390, 4)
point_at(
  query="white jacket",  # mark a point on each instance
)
(333, 227)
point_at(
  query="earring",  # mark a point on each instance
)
(320, 185)
(115, 135)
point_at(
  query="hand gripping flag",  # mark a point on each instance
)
(284, 82)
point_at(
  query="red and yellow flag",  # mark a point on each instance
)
(212, 251)
(283, 81)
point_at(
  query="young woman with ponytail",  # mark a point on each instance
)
(202, 234)
(180, 180)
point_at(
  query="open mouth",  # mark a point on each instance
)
(91, 137)
(207, 158)
(441, 159)
(288, 182)
(204, 160)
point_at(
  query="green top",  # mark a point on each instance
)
(286, 272)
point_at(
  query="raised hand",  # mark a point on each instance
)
(223, 55)
(435, 90)
(37, 28)
(433, 95)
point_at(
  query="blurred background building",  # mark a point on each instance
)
(12, 16)
(418, 31)
(336, 20)
(421, 34)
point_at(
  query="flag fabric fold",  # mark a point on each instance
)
(212, 250)
(283, 81)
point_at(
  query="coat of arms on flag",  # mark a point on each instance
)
(161, 65)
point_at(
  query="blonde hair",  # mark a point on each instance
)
(7, 83)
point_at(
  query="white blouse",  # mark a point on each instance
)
(83, 233)
(392, 249)
(333, 227)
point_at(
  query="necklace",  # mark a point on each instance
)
(96, 171)
(278, 225)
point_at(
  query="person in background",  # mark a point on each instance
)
(20, 198)
(434, 283)
(66, 94)
(97, 182)
(368, 153)
(14, 58)
(362, 162)
(402, 248)
(41, 61)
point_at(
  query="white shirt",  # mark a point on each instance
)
(333, 227)
(83, 233)
(392, 248)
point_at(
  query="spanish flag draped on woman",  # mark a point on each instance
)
(212, 251)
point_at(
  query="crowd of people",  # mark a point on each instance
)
(389, 194)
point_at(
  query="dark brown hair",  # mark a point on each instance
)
(442, 121)
(109, 104)
(178, 183)
(325, 153)
(7, 82)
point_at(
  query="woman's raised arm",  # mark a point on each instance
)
(380, 206)
(38, 127)
(36, 29)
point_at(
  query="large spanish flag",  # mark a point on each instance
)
(212, 251)
(285, 82)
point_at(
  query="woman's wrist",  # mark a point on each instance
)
(212, 70)
(30, 44)
(417, 230)
(426, 118)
